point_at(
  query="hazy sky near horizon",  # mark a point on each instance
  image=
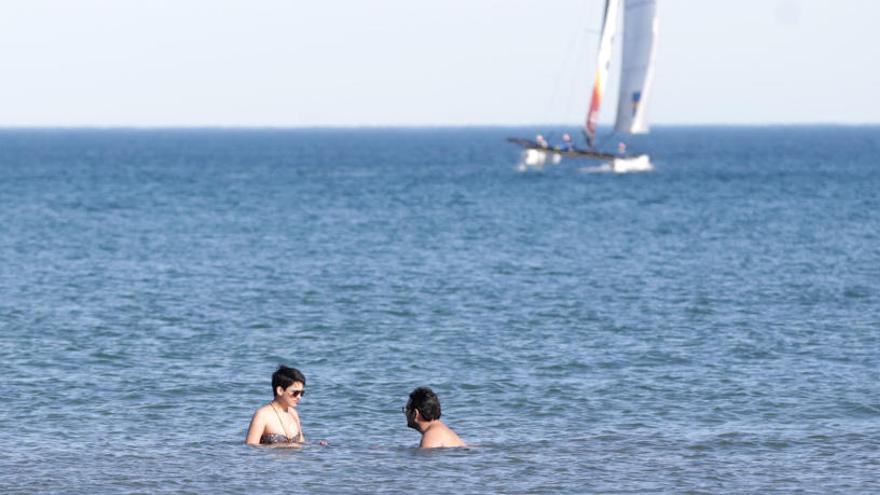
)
(406, 62)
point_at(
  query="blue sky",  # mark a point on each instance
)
(406, 62)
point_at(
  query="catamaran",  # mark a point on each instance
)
(636, 75)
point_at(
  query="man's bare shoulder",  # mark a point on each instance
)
(440, 435)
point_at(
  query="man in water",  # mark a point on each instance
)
(423, 414)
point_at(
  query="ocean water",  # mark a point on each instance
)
(709, 327)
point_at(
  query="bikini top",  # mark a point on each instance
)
(270, 438)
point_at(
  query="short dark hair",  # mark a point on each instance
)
(285, 377)
(426, 401)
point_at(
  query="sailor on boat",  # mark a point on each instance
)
(566, 145)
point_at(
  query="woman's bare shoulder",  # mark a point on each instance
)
(263, 410)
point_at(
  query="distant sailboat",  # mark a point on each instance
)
(637, 68)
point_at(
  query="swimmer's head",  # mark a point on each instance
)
(284, 377)
(425, 400)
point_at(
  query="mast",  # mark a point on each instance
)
(637, 67)
(603, 61)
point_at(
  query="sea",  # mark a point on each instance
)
(711, 326)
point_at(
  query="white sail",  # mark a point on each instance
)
(603, 62)
(637, 67)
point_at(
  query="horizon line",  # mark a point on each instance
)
(403, 126)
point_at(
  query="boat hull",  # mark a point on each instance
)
(639, 163)
(538, 157)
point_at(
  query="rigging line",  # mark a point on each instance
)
(554, 104)
(578, 98)
(574, 83)
(562, 74)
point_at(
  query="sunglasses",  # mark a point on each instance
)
(405, 410)
(297, 393)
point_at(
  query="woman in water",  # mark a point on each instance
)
(277, 423)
